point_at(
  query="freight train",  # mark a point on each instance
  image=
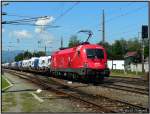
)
(85, 61)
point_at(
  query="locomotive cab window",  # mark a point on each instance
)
(95, 53)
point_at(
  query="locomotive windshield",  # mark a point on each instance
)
(95, 53)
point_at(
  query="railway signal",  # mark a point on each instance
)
(144, 31)
(144, 35)
(4, 13)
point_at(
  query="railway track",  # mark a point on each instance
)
(127, 88)
(134, 81)
(100, 102)
(61, 90)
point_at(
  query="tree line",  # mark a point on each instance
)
(28, 55)
(115, 51)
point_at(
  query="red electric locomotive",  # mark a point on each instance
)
(85, 61)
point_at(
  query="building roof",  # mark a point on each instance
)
(131, 54)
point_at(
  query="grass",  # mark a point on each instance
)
(8, 101)
(28, 102)
(125, 74)
(4, 83)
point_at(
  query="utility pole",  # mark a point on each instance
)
(142, 49)
(103, 26)
(149, 32)
(61, 42)
(142, 55)
(45, 49)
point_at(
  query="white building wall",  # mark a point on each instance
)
(146, 67)
(138, 67)
(117, 64)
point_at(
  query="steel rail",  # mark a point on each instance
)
(126, 88)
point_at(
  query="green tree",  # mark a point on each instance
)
(34, 54)
(19, 57)
(117, 50)
(108, 48)
(73, 41)
(134, 45)
(40, 53)
(27, 55)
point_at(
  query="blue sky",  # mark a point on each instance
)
(123, 20)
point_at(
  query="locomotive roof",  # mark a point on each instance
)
(81, 46)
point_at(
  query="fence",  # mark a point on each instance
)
(119, 65)
(138, 67)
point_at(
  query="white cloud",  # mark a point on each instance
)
(20, 34)
(44, 20)
(41, 22)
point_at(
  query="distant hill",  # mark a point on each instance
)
(8, 56)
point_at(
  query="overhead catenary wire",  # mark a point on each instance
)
(118, 8)
(127, 31)
(59, 17)
(30, 24)
(127, 13)
(34, 18)
(66, 11)
(27, 19)
(124, 14)
(130, 36)
(15, 15)
(42, 17)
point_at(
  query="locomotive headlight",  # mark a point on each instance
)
(85, 65)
